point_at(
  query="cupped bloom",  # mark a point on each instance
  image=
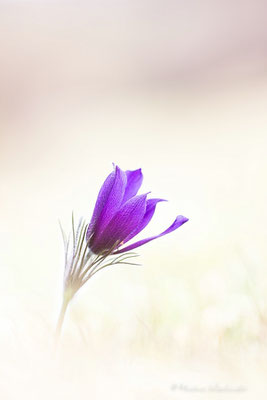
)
(120, 214)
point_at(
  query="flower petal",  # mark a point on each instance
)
(180, 220)
(150, 210)
(121, 225)
(134, 181)
(108, 201)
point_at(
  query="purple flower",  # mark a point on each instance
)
(120, 214)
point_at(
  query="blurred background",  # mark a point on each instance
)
(179, 89)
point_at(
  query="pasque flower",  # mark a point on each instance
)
(119, 215)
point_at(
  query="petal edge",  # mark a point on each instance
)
(179, 221)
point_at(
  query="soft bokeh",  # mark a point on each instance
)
(179, 89)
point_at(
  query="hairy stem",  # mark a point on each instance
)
(65, 303)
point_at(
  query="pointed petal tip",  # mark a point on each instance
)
(154, 201)
(181, 219)
(135, 170)
(132, 170)
(136, 174)
(115, 167)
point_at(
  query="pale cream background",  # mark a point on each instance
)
(179, 89)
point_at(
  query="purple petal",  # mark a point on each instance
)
(108, 201)
(134, 181)
(150, 210)
(121, 225)
(180, 220)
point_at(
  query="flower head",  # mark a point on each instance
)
(120, 214)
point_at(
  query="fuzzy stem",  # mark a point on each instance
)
(66, 299)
